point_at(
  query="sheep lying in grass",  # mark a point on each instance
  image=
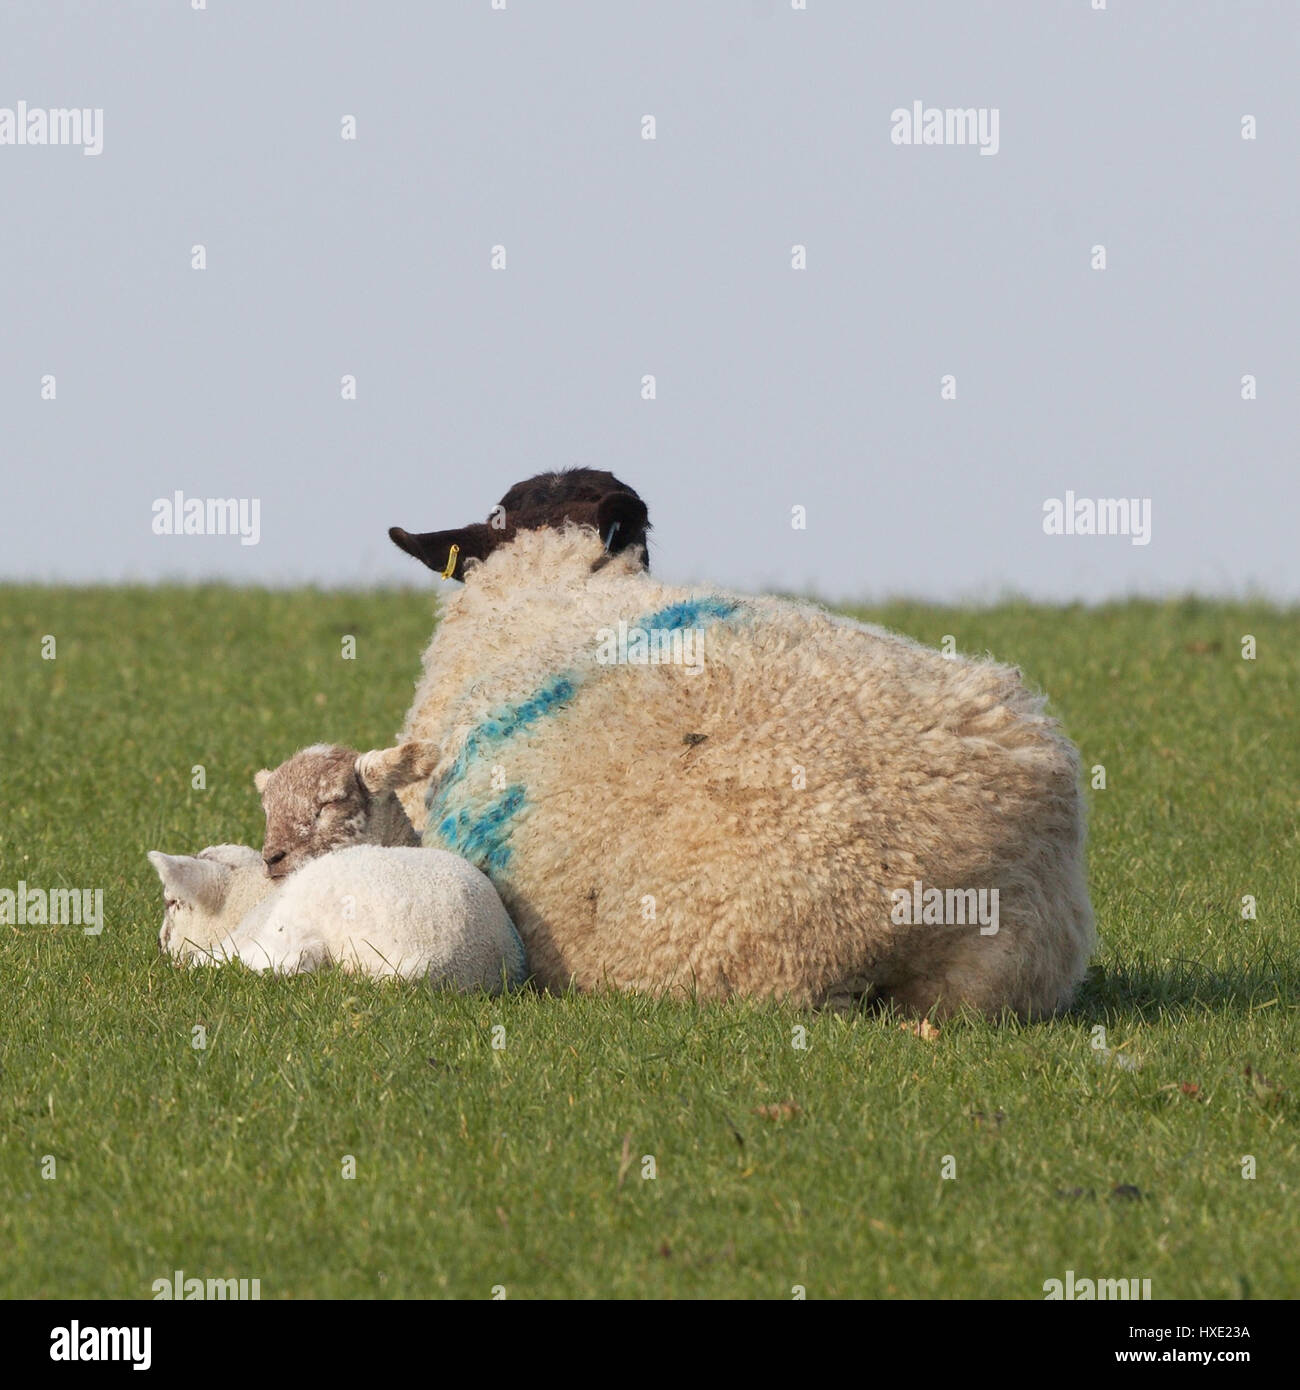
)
(343, 810)
(380, 911)
(758, 820)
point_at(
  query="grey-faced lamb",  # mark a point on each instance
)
(316, 802)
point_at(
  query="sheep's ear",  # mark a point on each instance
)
(622, 520)
(260, 779)
(383, 769)
(192, 880)
(434, 548)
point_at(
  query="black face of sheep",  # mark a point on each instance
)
(585, 496)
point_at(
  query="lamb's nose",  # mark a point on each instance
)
(271, 860)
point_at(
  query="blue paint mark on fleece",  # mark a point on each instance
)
(691, 612)
(506, 722)
(481, 835)
(516, 959)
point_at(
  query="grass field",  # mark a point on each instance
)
(521, 1166)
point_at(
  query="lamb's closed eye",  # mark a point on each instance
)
(316, 803)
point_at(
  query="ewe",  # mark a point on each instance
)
(757, 821)
(584, 496)
(380, 911)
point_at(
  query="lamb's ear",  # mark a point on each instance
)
(192, 880)
(622, 520)
(260, 779)
(434, 548)
(383, 769)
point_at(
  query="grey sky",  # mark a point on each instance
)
(626, 256)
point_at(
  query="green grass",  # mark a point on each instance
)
(521, 1166)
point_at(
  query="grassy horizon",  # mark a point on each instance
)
(521, 1166)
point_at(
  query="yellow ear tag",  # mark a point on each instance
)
(452, 556)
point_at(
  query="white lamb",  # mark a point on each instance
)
(376, 910)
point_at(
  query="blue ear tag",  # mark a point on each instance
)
(609, 540)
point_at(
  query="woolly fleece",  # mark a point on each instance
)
(741, 828)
